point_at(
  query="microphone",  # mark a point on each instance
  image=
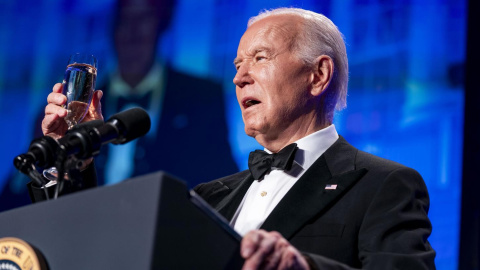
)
(125, 126)
(85, 139)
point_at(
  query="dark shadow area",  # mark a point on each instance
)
(469, 253)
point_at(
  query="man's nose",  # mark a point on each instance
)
(243, 76)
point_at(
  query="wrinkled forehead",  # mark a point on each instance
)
(281, 30)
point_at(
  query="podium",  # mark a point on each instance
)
(147, 222)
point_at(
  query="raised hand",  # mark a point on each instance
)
(54, 124)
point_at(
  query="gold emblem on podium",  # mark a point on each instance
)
(18, 254)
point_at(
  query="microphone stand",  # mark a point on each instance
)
(60, 165)
(24, 163)
(64, 163)
(69, 164)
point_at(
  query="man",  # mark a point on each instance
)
(318, 202)
(337, 207)
(179, 104)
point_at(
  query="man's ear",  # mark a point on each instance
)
(322, 74)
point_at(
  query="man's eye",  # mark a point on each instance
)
(259, 58)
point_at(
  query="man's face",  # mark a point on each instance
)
(272, 83)
(136, 36)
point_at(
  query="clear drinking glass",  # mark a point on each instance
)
(78, 86)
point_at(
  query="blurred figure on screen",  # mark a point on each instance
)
(188, 137)
(187, 113)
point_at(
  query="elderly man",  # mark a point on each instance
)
(310, 200)
(318, 201)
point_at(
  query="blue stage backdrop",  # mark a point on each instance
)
(405, 98)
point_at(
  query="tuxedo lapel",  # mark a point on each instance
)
(309, 196)
(228, 206)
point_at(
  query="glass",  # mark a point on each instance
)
(78, 87)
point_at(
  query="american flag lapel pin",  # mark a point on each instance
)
(329, 186)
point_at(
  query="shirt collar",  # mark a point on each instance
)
(311, 147)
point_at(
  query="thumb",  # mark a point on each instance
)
(97, 105)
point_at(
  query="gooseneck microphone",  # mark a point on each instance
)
(85, 139)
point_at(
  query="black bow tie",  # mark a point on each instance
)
(260, 162)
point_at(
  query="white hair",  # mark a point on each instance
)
(320, 36)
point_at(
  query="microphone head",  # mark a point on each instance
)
(131, 124)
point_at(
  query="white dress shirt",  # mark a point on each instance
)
(264, 195)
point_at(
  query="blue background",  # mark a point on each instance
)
(405, 98)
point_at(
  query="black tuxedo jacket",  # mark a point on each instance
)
(376, 218)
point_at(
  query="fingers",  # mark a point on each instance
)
(258, 247)
(275, 258)
(292, 259)
(95, 108)
(57, 88)
(269, 250)
(53, 123)
(49, 121)
(53, 126)
(250, 243)
(55, 100)
(55, 109)
(97, 105)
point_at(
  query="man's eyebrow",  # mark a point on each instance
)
(253, 53)
(262, 49)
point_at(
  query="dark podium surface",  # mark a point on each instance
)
(148, 222)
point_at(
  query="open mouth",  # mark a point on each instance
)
(249, 103)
